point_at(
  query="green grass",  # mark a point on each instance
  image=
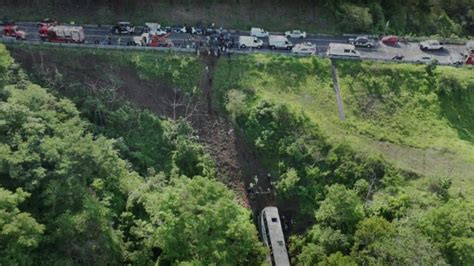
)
(418, 122)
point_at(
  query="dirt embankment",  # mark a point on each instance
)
(236, 161)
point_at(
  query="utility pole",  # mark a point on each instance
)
(335, 82)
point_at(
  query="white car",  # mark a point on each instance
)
(295, 34)
(154, 29)
(306, 48)
(431, 45)
(258, 32)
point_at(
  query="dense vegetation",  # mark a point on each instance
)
(445, 18)
(364, 210)
(67, 196)
(152, 195)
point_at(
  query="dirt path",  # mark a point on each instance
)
(237, 163)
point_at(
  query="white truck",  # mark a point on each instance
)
(470, 47)
(279, 42)
(295, 34)
(341, 50)
(250, 42)
(258, 32)
(431, 45)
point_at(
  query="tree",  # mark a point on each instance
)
(288, 183)
(354, 18)
(378, 241)
(20, 234)
(450, 226)
(337, 259)
(341, 209)
(235, 103)
(447, 27)
(76, 180)
(198, 219)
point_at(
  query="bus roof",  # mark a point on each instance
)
(272, 218)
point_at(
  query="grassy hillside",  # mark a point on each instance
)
(418, 119)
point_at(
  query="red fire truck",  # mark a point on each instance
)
(62, 33)
(11, 30)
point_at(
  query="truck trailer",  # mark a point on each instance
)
(67, 34)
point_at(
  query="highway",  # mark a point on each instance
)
(410, 50)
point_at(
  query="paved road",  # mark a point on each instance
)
(410, 51)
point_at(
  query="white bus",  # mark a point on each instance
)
(272, 236)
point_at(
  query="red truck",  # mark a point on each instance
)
(11, 30)
(61, 33)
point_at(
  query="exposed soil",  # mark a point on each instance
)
(236, 161)
(89, 70)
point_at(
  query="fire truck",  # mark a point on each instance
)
(10, 30)
(61, 33)
(153, 40)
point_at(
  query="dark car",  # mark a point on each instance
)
(198, 29)
(176, 29)
(212, 31)
(123, 28)
(362, 41)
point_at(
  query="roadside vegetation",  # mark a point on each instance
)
(365, 206)
(444, 18)
(70, 194)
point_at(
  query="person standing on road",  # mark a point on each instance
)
(119, 40)
(109, 39)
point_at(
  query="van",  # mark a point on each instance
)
(258, 32)
(279, 42)
(341, 50)
(250, 42)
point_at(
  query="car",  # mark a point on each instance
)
(295, 34)
(213, 30)
(362, 41)
(176, 29)
(258, 32)
(123, 27)
(425, 59)
(199, 28)
(431, 45)
(195, 30)
(154, 29)
(305, 48)
(390, 40)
